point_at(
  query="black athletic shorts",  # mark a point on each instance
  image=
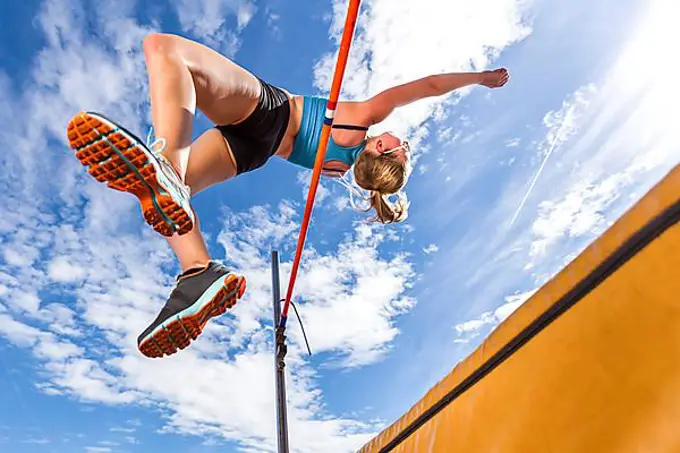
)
(254, 140)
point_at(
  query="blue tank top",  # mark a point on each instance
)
(307, 139)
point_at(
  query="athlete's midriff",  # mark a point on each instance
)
(286, 146)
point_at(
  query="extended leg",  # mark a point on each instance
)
(206, 288)
(209, 163)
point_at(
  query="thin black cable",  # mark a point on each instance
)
(304, 334)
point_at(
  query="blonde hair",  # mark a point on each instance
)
(383, 176)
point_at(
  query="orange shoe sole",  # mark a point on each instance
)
(179, 333)
(111, 156)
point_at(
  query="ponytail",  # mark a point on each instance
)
(386, 211)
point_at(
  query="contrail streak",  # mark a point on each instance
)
(553, 145)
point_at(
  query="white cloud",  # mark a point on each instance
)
(61, 270)
(469, 330)
(581, 212)
(348, 298)
(89, 381)
(444, 134)
(120, 429)
(98, 449)
(70, 74)
(17, 332)
(628, 140)
(37, 441)
(389, 49)
(273, 21)
(613, 143)
(561, 125)
(304, 179)
(207, 20)
(63, 320)
(50, 348)
(564, 123)
(27, 301)
(20, 255)
(616, 142)
(361, 311)
(513, 142)
(432, 248)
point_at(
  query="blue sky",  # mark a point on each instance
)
(389, 310)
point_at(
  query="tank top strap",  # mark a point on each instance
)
(351, 127)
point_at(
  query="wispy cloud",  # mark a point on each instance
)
(37, 441)
(217, 23)
(355, 325)
(348, 297)
(432, 248)
(18, 333)
(613, 143)
(513, 142)
(98, 449)
(304, 179)
(627, 141)
(471, 329)
(273, 21)
(122, 429)
(561, 125)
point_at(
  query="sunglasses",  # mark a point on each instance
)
(404, 145)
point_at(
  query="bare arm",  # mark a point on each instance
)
(381, 105)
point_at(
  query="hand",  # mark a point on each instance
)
(495, 79)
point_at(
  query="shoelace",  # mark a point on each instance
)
(153, 146)
(157, 147)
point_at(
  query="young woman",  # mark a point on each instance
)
(254, 121)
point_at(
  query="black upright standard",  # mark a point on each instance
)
(280, 357)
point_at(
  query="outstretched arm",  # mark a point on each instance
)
(381, 105)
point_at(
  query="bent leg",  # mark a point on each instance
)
(183, 75)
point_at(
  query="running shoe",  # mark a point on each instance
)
(200, 294)
(114, 155)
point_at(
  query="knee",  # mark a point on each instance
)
(157, 43)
